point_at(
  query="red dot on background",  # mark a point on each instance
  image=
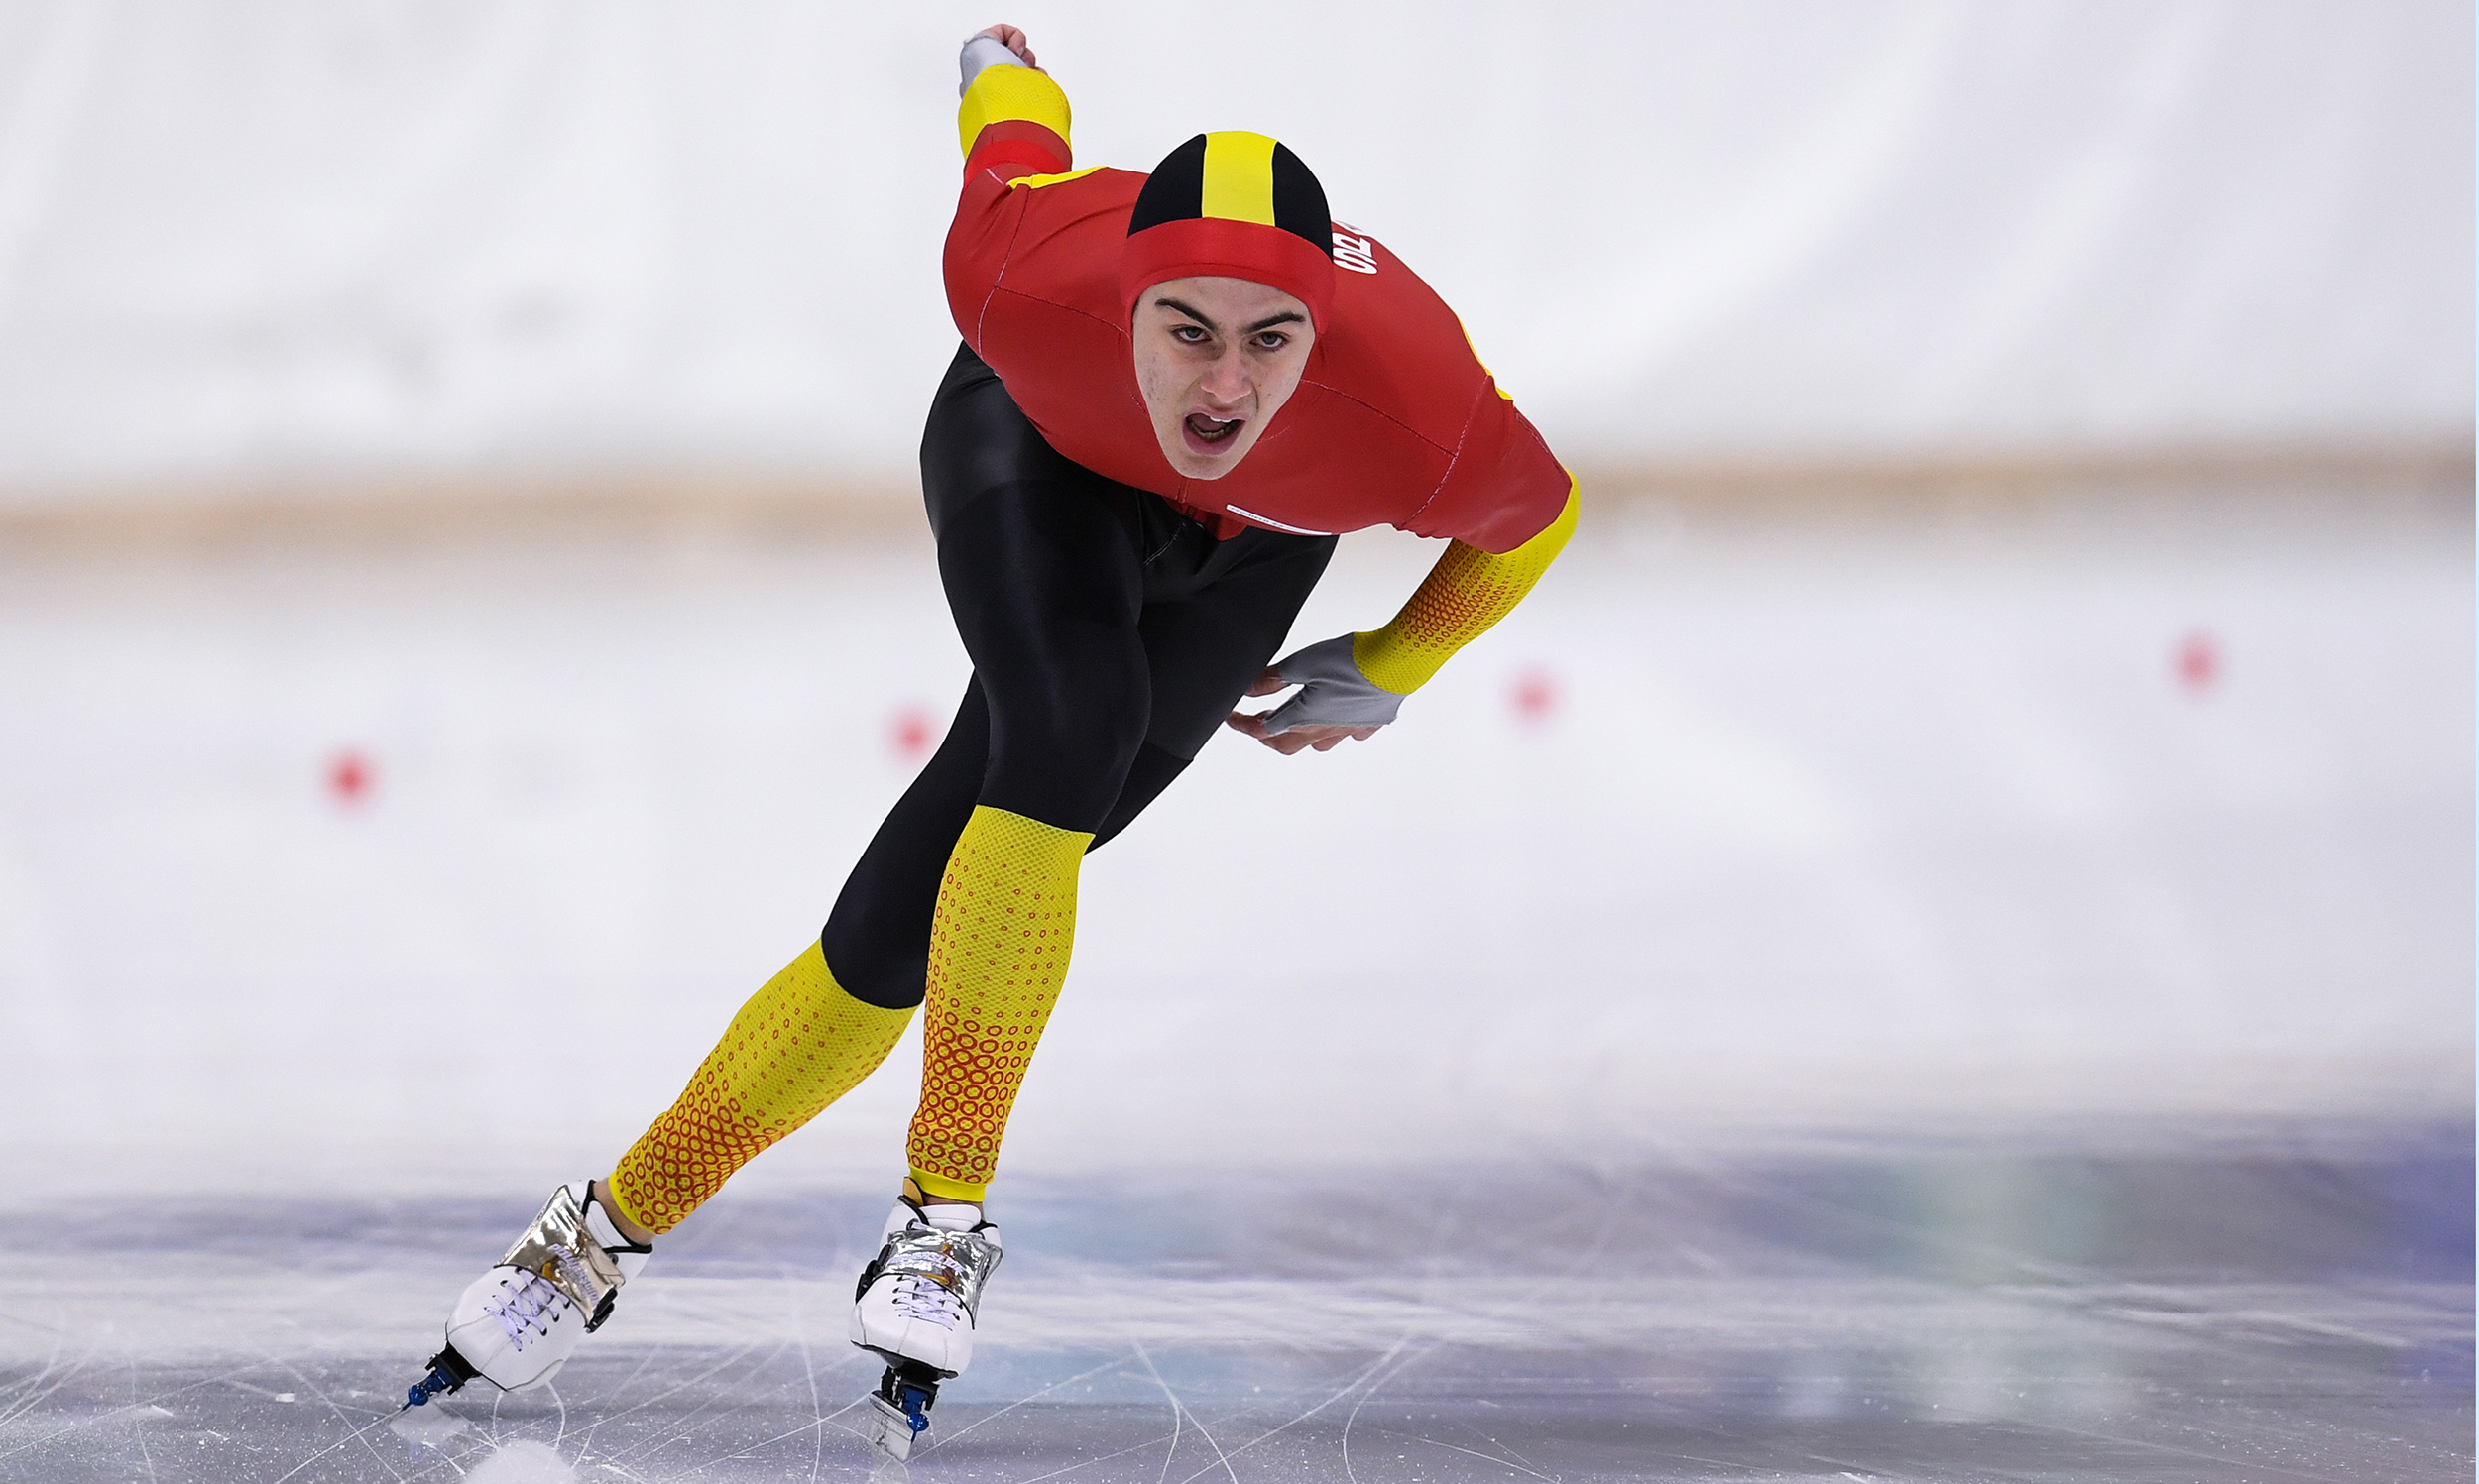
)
(2197, 662)
(1533, 696)
(912, 731)
(350, 777)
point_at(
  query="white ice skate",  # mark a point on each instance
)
(516, 1324)
(915, 1308)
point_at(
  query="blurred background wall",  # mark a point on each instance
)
(251, 241)
(462, 606)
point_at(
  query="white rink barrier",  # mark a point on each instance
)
(313, 866)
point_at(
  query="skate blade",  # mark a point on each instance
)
(891, 1431)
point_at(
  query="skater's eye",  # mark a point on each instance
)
(1188, 334)
(1272, 340)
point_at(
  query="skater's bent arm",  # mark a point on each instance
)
(1468, 590)
(1352, 685)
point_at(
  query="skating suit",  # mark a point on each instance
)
(1114, 613)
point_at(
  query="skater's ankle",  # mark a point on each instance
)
(601, 1195)
(950, 1214)
(914, 1193)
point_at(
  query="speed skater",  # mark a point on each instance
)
(1175, 390)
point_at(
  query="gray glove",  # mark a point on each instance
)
(984, 51)
(1332, 690)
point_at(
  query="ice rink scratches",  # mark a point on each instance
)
(1759, 1319)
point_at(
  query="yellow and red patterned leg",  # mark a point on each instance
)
(999, 943)
(797, 1046)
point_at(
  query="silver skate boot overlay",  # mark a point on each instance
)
(915, 1308)
(516, 1324)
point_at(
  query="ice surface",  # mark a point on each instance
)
(2291, 1306)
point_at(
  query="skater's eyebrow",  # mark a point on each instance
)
(1172, 303)
(1287, 316)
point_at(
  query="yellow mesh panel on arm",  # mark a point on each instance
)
(797, 1046)
(1000, 940)
(1001, 94)
(1464, 593)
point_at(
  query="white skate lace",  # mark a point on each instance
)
(918, 1298)
(524, 1308)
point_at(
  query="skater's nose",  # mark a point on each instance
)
(1226, 381)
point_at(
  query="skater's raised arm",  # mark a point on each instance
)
(1012, 123)
(1012, 120)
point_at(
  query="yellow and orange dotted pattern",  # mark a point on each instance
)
(1464, 593)
(999, 942)
(797, 1046)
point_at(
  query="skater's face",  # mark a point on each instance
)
(1217, 359)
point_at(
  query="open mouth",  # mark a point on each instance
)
(1210, 436)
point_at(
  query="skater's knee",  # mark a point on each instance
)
(876, 968)
(1151, 773)
(1064, 759)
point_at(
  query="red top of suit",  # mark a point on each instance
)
(1395, 423)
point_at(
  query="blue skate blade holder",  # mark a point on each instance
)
(912, 1388)
(448, 1372)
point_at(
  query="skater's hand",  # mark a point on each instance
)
(1296, 739)
(996, 46)
(1335, 701)
(1011, 38)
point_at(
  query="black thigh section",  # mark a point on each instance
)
(1047, 590)
(1043, 578)
(1206, 644)
(877, 940)
(1210, 635)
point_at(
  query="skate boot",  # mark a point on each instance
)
(516, 1324)
(915, 1309)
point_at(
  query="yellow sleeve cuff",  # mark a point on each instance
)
(1464, 593)
(1005, 94)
